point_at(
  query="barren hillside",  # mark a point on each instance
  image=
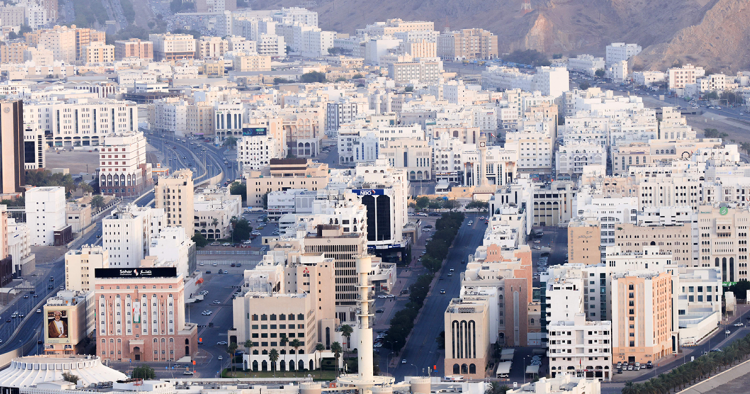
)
(667, 29)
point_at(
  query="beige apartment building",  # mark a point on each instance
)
(584, 242)
(80, 265)
(199, 119)
(98, 52)
(175, 194)
(283, 304)
(252, 63)
(723, 241)
(211, 47)
(85, 37)
(392, 26)
(641, 317)
(12, 52)
(420, 49)
(12, 16)
(134, 47)
(285, 174)
(467, 44)
(685, 75)
(61, 41)
(676, 240)
(467, 336)
(637, 153)
(173, 46)
(333, 243)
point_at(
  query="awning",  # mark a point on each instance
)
(532, 369)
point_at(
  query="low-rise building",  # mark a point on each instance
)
(284, 174)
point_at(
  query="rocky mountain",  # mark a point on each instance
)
(711, 33)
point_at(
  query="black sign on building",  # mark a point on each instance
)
(145, 272)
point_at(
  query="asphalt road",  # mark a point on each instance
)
(31, 328)
(421, 351)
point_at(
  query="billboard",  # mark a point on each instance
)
(253, 131)
(157, 272)
(136, 312)
(56, 327)
(368, 192)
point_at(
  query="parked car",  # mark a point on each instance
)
(221, 343)
(739, 324)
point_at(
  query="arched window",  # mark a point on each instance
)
(456, 369)
(472, 368)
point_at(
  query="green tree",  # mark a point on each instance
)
(336, 349)
(476, 204)
(423, 202)
(557, 56)
(97, 201)
(25, 29)
(319, 348)
(229, 142)
(295, 343)
(357, 76)
(711, 133)
(200, 240)
(143, 372)
(85, 187)
(231, 350)
(584, 85)
(273, 356)
(346, 331)
(241, 229)
(711, 96)
(440, 339)
(238, 189)
(312, 77)
(69, 377)
(497, 388)
(248, 345)
(12, 35)
(530, 56)
(600, 73)
(284, 340)
(450, 204)
(409, 89)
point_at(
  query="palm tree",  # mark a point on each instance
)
(319, 348)
(296, 344)
(273, 355)
(231, 349)
(336, 348)
(346, 331)
(629, 388)
(496, 388)
(284, 340)
(215, 223)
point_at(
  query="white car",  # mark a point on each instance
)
(739, 324)
(221, 343)
(727, 332)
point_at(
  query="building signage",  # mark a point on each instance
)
(253, 131)
(368, 192)
(723, 210)
(158, 272)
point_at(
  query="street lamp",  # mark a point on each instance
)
(416, 370)
(524, 369)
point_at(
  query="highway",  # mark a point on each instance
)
(204, 163)
(30, 328)
(421, 351)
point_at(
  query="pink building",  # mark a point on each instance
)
(141, 314)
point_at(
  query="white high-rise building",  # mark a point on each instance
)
(127, 233)
(123, 169)
(80, 122)
(45, 213)
(619, 51)
(256, 151)
(173, 245)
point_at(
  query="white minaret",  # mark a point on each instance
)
(365, 380)
(364, 265)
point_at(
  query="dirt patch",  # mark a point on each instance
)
(75, 161)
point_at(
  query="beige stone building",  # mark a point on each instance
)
(134, 47)
(723, 241)
(284, 174)
(199, 119)
(584, 242)
(637, 153)
(641, 316)
(252, 63)
(175, 194)
(392, 26)
(98, 52)
(12, 52)
(467, 44)
(80, 265)
(420, 49)
(78, 216)
(283, 304)
(173, 46)
(670, 239)
(467, 336)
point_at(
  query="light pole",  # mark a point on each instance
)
(416, 370)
